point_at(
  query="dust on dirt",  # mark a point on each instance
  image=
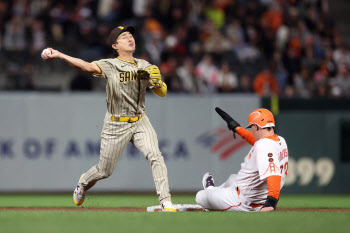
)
(142, 209)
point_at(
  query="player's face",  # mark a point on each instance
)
(125, 42)
(256, 131)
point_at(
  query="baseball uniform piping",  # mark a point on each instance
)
(134, 62)
(225, 208)
(100, 68)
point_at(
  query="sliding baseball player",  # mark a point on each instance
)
(126, 120)
(256, 187)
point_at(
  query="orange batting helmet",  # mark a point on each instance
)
(262, 118)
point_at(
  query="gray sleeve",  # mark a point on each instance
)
(105, 67)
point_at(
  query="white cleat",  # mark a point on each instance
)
(167, 206)
(78, 195)
(208, 180)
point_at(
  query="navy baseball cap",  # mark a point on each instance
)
(113, 36)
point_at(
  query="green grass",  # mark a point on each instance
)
(134, 200)
(314, 201)
(143, 222)
(92, 200)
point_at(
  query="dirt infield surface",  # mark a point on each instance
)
(139, 209)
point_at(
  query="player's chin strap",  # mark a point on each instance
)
(270, 202)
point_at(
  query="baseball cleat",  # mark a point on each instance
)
(78, 195)
(167, 206)
(208, 180)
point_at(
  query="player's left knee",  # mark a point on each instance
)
(154, 156)
(200, 198)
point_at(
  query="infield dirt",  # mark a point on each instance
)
(141, 209)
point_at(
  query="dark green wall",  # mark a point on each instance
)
(318, 137)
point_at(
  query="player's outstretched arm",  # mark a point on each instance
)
(72, 61)
(246, 135)
(236, 127)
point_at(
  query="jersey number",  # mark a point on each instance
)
(285, 168)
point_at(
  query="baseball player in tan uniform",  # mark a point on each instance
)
(126, 120)
(256, 187)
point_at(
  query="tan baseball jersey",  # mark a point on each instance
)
(125, 122)
(125, 96)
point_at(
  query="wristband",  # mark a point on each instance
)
(270, 202)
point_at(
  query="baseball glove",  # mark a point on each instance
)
(152, 74)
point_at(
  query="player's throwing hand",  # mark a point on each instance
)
(50, 53)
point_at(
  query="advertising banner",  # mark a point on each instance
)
(48, 140)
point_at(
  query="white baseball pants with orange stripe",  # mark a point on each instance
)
(222, 198)
(114, 138)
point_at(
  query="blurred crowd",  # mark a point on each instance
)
(284, 47)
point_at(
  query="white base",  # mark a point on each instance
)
(179, 207)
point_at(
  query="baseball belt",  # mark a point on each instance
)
(253, 205)
(127, 119)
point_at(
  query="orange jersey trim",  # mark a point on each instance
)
(274, 186)
(232, 206)
(246, 135)
(272, 168)
(274, 137)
